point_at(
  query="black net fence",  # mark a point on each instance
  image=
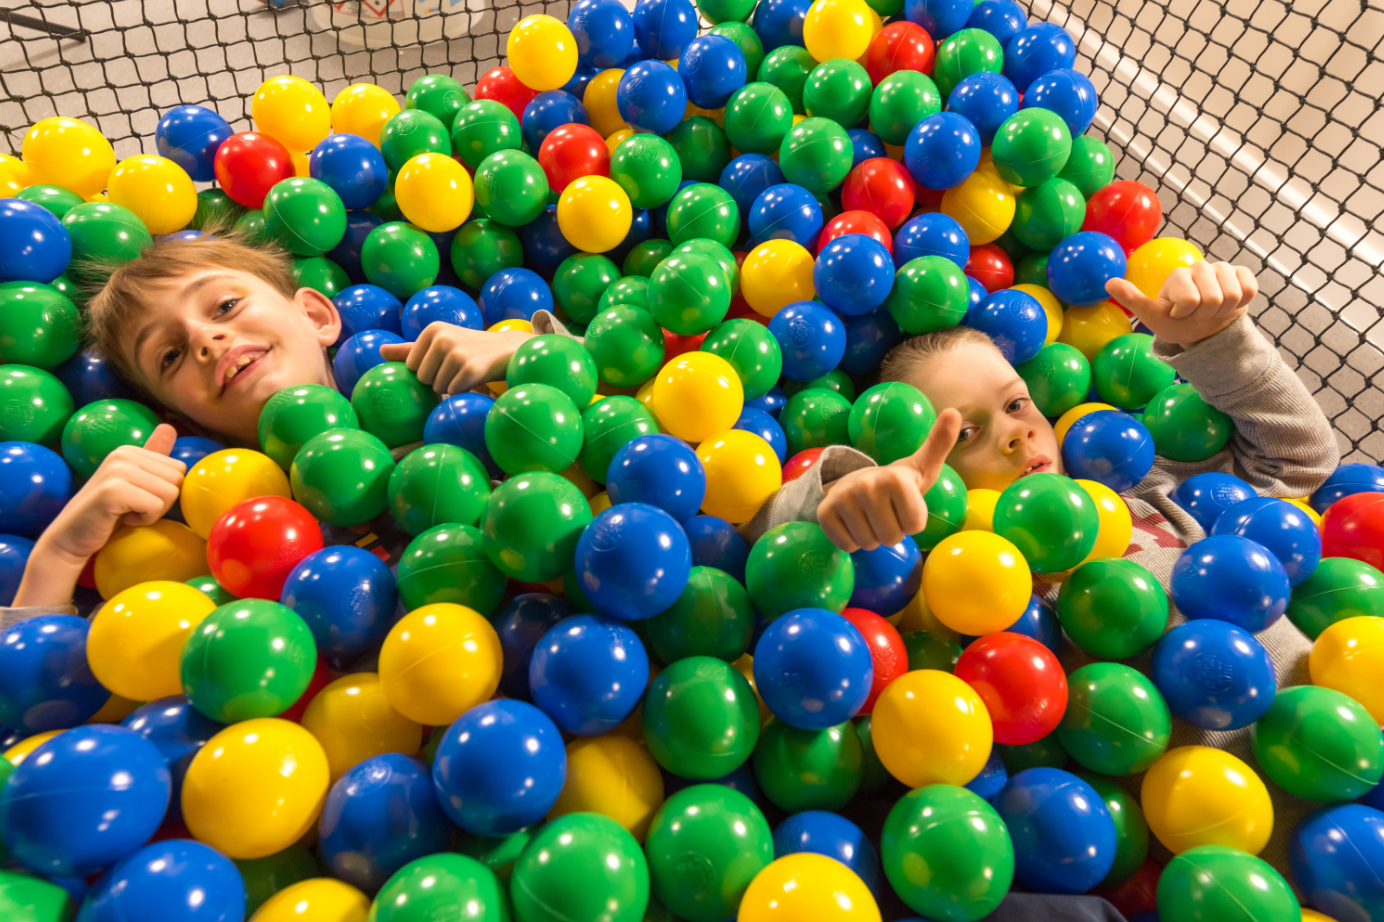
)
(1258, 121)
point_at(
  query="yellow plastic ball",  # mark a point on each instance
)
(983, 204)
(775, 274)
(68, 153)
(1349, 657)
(1051, 306)
(114, 710)
(15, 176)
(514, 323)
(255, 788)
(697, 395)
(745, 666)
(97, 197)
(614, 776)
(594, 214)
(1196, 795)
(354, 721)
(434, 192)
(438, 662)
(156, 189)
(917, 616)
(542, 53)
(980, 509)
(1151, 264)
(1069, 419)
(1088, 329)
(742, 472)
(582, 481)
(136, 639)
(165, 550)
(807, 887)
(1311, 513)
(601, 108)
(929, 727)
(837, 29)
(1311, 915)
(362, 109)
(1116, 525)
(227, 478)
(20, 750)
(645, 394)
(977, 582)
(291, 111)
(318, 899)
(600, 502)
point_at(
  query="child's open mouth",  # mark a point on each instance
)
(238, 363)
(1038, 464)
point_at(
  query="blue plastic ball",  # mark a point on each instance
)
(1014, 320)
(84, 799)
(664, 27)
(1213, 674)
(14, 557)
(499, 767)
(1206, 496)
(176, 880)
(521, 625)
(633, 561)
(588, 674)
(1286, 530)
(550, 110)
(179, 731)
(932, 234)
(771, 401)
(358, 355)
(986, 100)
(712, 67)
(1069, 93)
(367, 307)
(439, 304)
(785, 212)
(767, 428)
(939, 17)
(35, 484)
(34, 245)
(1003, 19)
(189, 136)
(780, 22)
(190, 449)
(869, 337)
(659, 470)
(887, 578)
(379, 816)
(651, 97)
(1230, 578)
(830, 834)
(813, 668)
(811, 338)
(992, 777)
(345, 595)
(741, 780)
(544, 250)
(1039, 621)
(45, 682)
(460, 420)
(977, 294)
(352, 166)
(90, 376)
(581, 79)
(717, 543)
(865, 145)
(1109, 447)
(514, 294)
(1336, 854)
(942, 150)
(853, 274)
(604, 31)
(1080, 265)
(747, 176)
(1064, 838)
(1347, 480)
(346, 254)
(641, 229)
(636, 54)
(1040, 48)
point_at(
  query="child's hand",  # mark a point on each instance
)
(453, 359)
(1194, 304)
(877, 506)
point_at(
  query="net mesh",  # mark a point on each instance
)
(1257, 121)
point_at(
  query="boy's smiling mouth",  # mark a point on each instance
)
(1038, 464)
(234, 365)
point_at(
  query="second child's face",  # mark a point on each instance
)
(1003, 436)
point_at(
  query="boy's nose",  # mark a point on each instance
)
(211, 343)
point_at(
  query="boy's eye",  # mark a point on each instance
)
(226, 305)
(965, 433)
(167, 359)
(1018, 404)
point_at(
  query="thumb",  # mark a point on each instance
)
(927, 461)
(161, 439)
(1128, 296)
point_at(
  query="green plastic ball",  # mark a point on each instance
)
(712, 617)
(557, 361)
(718, 11)
(387, 209)
(342, 476)
(795, 565)
(1215, 883)
(438, 95)
(392, 404)
(1048, 213)
(1116, 722)
(718, 252)
(1318, 744)
(1032, 270)
(304, 216)
(483, 127)
(705, 844)
(437, 485)
(411, 132)
(1045, 753)
(703, 210)
(947, 853)
(930, 293)
(816, 154)
(751, 350)
(449, 563)
(65, 285)
(481, 248)
(1184, 426)
(947, 505)
(1050, 519)
(787, 67)
(815, 418)
(56, 199)
(533, 427)
(99, 428)
(104, 235)
(26, 898)
(39, 325)
(1131, 829)
(702, 148)
(901, 101)
(607, 425)
(808, 769)
(249, 227)
(1090, 167)
(266, 876)
(688, 292)
(320, 274)
(964, 53)
(648, 168)
(580, 281)
(1031, 147)
(875, 779)
(1339, 588)
(34, 406)
(890, 421)
(931, 651)
(626, 346)
(498, 853)
(213, 590)
(1058, 378)
(581, 866)
(645, 256)
(1111, 607)
(511, 187)
(701, 718)
(249, 658)
(745, 38)
(839, 90)
(444, 885)
(632, 291)
(835, 380)
(1012, 246)
(400, 258)
(758, 116)
(1127, 374)
(296, 414)
(532, 524)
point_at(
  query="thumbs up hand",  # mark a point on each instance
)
(1194, 303)
(877, 506)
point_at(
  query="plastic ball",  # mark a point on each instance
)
(780, 22)
(514, 294)
(448, 563)
(929, 727)
(700, 717)
(930, 293)
(983, 204)
(255, 544)
(1333, 855)
(439, 661)
(1347, 480)
(1021, 683)
(614, 776)
(1345, 655)
(38, 325)
(136, 638)
(603, 30)
(174, 879)
(1127, 211)
(1117, 722)
(542, 52)
(651, 97)
(163, 550)
(1206, 496)
(853, 275)
(813, 669)
(1338, 589)
(904, 46)
(295, 415)
(633, 561)
(1109, 447)
(742, 471)
(657, 470)
(1318, 744)
(811, 339)
(532, 524)
(249, 164)
(1214, 675)
(37, 248)
(440, 882)
(36, 486)
(585, 862)
(801, 769)
(784, 212)
(14, 559)
(1184, 426)
(890, 421)
(976, 582)
(986, 100)
(46, 682)
(345, 595)
(1050, 519)
(794, 566)
(354, 721)
(1196, 795)
(1113, 608)
(1064, 839)
(1233, 578)
(1285, 530)
(317, 897)
(434, 192)
(248, 659)
(837, 90)
(1128, 375)
(1036, 50)
(68, 153)
(816, 154)
(1352, 526)
(1152, 263)
(1215, 882)
(1080, 266)
(807, 885)
(697, 395)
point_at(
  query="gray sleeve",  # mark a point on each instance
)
(9, 617)
(544, 322)
(797, 501)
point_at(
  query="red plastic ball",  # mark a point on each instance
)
(252, 548)
(570, 152)
(500, 84)
(886, 649)
(880, 186)
(321, 678)
(1127, 210)
(1138, 893)
(927, 199)
(856, 222)
(900, 46)
(800, 463)
(1353, 526)
(248, 165)
(675, 345)
(1020, 681)
(990, 266)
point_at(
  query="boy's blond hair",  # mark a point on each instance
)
(905, 361)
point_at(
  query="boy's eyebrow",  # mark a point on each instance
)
(187, 292)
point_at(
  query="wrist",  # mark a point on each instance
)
(50, 575)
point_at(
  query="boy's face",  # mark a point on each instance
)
(1003, 436)
(216, 344)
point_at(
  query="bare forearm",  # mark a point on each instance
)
(50, 576)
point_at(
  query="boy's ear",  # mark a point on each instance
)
(321, 312)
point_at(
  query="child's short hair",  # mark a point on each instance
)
(906, 360)
(122, 297)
